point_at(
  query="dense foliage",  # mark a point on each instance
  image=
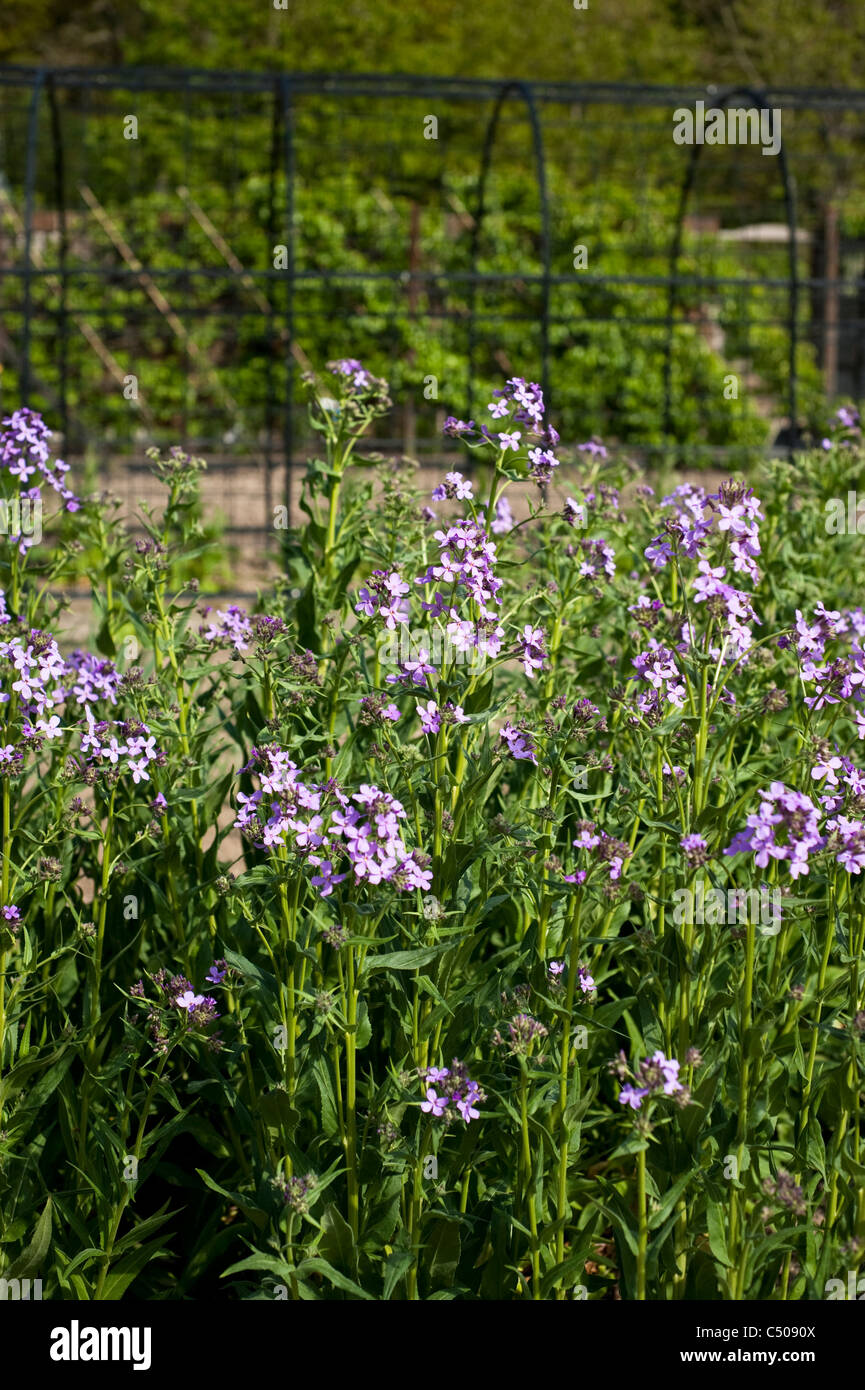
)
(479, 918)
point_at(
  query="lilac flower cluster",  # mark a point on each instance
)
(523, 1029)
(657, 667)
(355, 376)
(731, 513)
(655, 1073)
(432, 717)
(466, 561)
(130, 748)
(833, 681)
(10, 918)
(454, 486)
(25, 452)
(504, 519)
(688, 526)
(90, 679)
(296, 1192)
(230, 627)
(848, 429)
(732, 606)
(368, 834)
(413, 671)
(695, 850)
(450, 1091)
(194, 1011)
(556, 970)
(520, 744)
(384, 598)
(531, 649)
(575, 513)
(518, 402)
(608, 849)
(39, 670)
(599, 559)
(785, 827)
(738, 512)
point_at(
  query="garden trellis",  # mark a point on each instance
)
(176, 246)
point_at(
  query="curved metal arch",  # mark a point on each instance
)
(60, 202)
(524, 90)
(29, 198)
(760, 100)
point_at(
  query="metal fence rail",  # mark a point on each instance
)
(176, 246)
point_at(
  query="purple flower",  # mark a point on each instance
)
(429, 716)
(695, 848)
(434, 1104)
(456, 1086)
(465, 1108)
(189, 1001)
(327, 879)
(454, 486)
(385, 598)
(531, 649)
(629, 1095)
(436, 1074)
(25, 452)
(785, 827)
(541, 465)
(456, 428)
(232, 627)
(575, 513)
(520, 744)
(504, 518)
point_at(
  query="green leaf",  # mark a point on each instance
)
(397, 1264)
(129, 1268)
(443, 1253)
(339, 1281)
(337, 1242)
(253, 972)
(668, 1201)
(31, 1262)
(717, 1237)
(277, 1110)
(407, 960)
(251, 1211)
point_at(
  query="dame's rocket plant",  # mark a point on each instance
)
(338, 948)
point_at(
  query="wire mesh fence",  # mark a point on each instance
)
(177, 248)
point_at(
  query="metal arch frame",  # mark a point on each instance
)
(39, 83)
(285, 90)
(60, 196)
(760, 100)
(526, 91)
